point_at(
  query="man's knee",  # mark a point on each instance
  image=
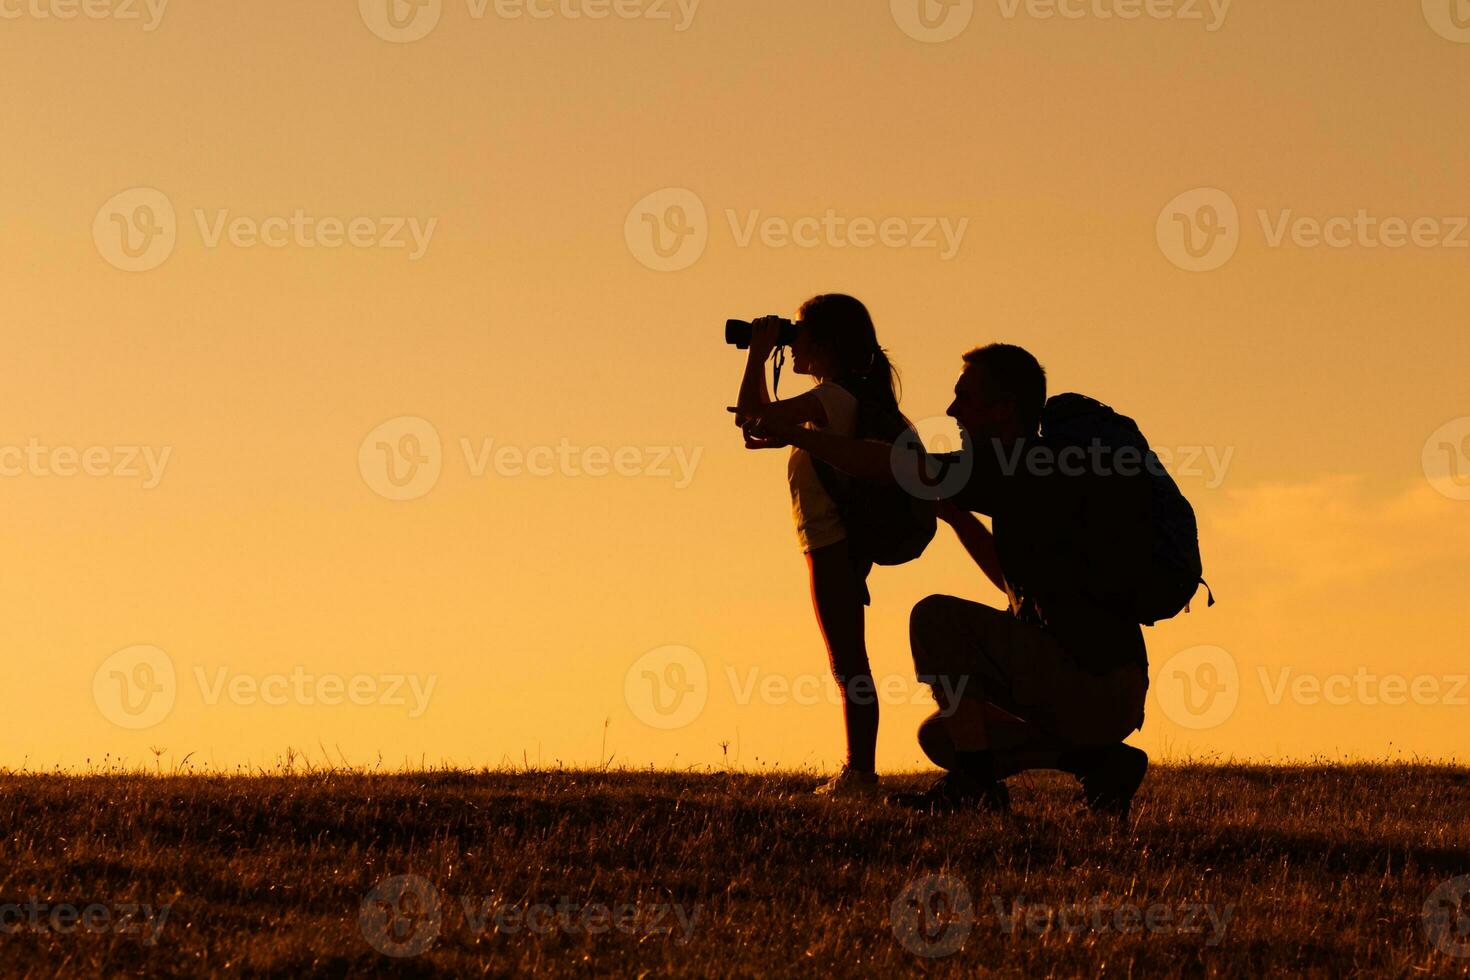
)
(941, 650)
(931, 614)
(936, 742)
(925, 626)
(932, 633)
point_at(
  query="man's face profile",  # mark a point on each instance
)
(978, 412)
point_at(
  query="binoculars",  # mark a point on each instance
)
(737, 334)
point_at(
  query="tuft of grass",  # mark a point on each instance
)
(1321, 870)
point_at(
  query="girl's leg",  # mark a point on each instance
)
(837, 597)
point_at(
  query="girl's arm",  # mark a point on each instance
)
(792, 411)
(753, 394)
(790, 415)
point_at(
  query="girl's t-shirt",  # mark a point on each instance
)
(818, 522)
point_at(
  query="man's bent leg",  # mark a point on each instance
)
(971, 653)
(967, 651)
(1018, 746)
(949, 640)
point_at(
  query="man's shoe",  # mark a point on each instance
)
(954, 792)
(1110, 778)
(849, 784)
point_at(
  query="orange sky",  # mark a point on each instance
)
(348, 246)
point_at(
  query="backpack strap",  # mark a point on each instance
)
(1208, 593)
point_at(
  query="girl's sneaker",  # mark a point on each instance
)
(849, 783)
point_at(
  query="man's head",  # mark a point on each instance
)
(1000, 394)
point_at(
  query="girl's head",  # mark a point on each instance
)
(836, 341)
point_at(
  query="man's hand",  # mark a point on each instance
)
(767, 433)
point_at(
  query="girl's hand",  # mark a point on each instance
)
(763, 335)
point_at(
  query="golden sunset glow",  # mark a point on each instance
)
(367, 373)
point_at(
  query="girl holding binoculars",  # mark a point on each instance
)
(835, 343)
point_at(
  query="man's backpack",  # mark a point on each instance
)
(1170, 580)
(885, 523)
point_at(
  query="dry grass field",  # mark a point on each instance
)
(1225, 871)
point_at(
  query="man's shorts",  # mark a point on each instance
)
(979, 652)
